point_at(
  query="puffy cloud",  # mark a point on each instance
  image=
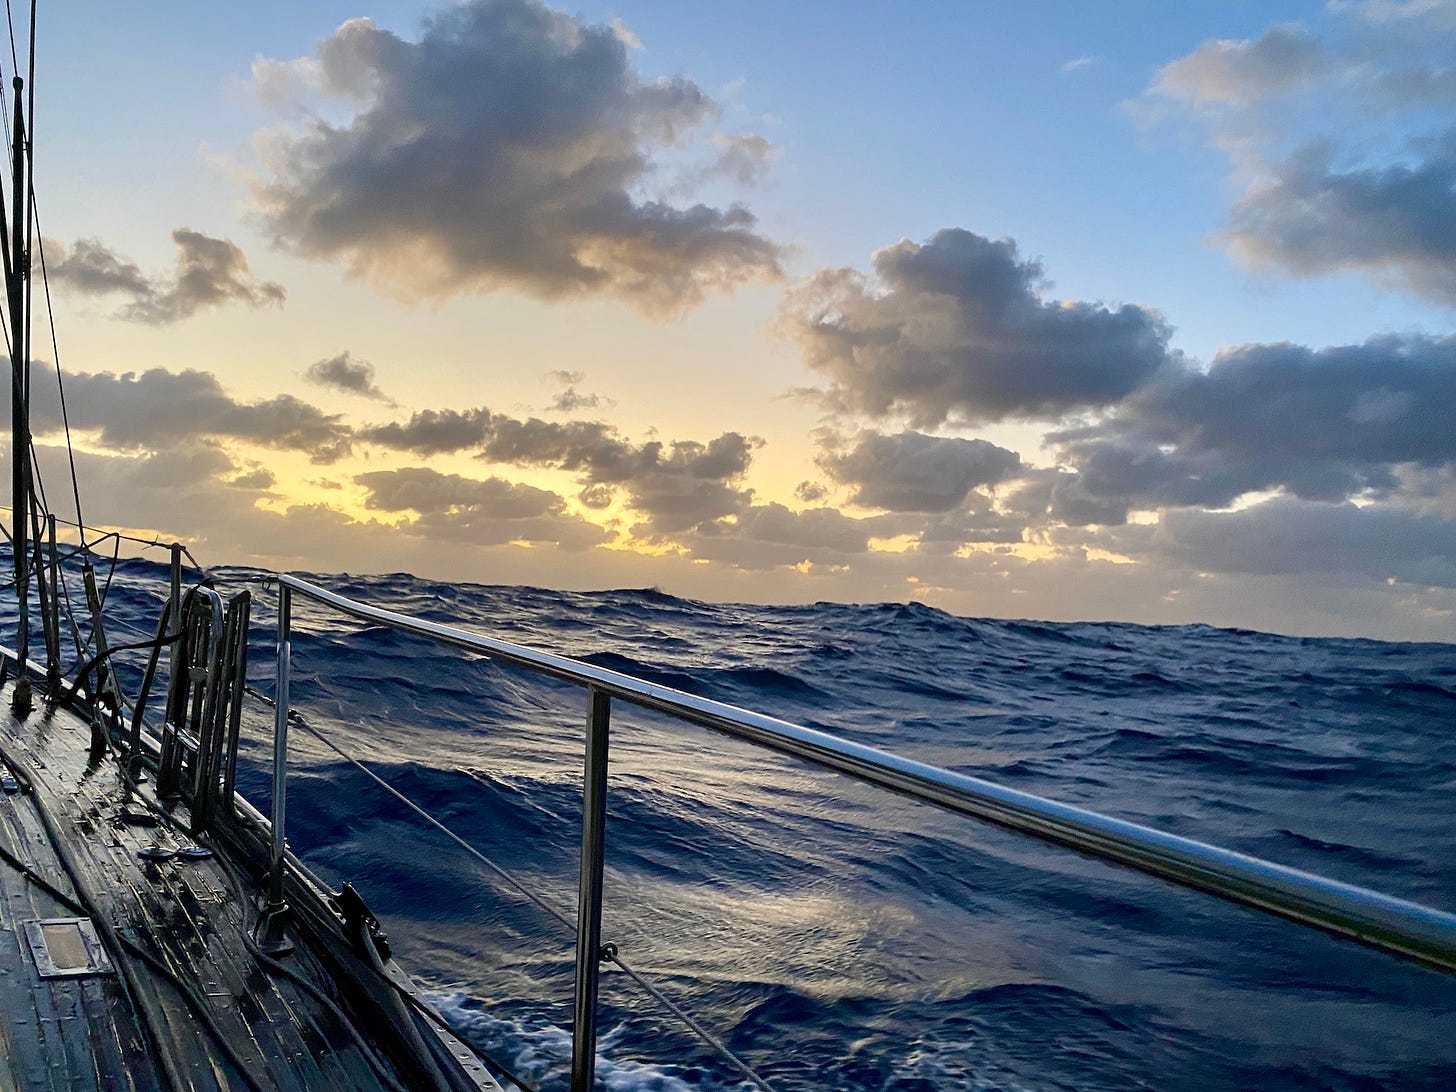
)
(764, 536)
(744, 159)
(1286, 535)
(210, 272)
(1242, 72)
(976, 522)
(1321, 424)
(344, 373)
(158, 408)
(505, 149)
(956, 328)
(90, 267)
(679, 485)
(1341, 140)
(485, 512)
(1396, 220)
(433, 432)
(913, 472)
(571, 400)
(676, 484)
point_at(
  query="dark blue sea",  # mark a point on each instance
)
(838, 937)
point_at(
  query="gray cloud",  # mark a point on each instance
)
(764, 536)
(344, 373)
(677, 484)
(259, 478)
(1285, 535)
(976, 522)
(681, 484)
(912, 472)
(210, 272)
(485, 512)
(744, 159)
(187, 465)
(571, 400)
(956, 328)
(1322, 425)
(93, 269)
(157, 408)
(1341, 140)
(433, 432)
(503, 150)
(1396, 220)
(1242, 72)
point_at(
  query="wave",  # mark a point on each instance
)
(841, 938)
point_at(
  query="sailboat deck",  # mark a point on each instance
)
(94, 1032)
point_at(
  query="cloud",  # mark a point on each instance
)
(1341, 142)
(570, 401)
(344, 373)
(485, 512)
(1241, 72)
(433, 432)
(210, 272)
(157, 408)
(956, 329)
(682, 484)
(1396, 220)
(765, 536)
(1324, 424)
(506, 149)
(676, 485)
(1443, 12)
(92, 269)
(744, 159)
(1286, 535)
(1077, 62)
(912, 472)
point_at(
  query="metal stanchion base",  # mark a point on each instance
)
(269, 932)
(20, 699)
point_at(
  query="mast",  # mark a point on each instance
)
(17, 271)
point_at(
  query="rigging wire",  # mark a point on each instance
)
(18, 346)
(10, 20)
(714, 1042)
(60, 381)
(268, 962)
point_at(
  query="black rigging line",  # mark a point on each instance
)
(10, 19)
(60, 382)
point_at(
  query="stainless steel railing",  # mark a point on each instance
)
(1380, 921)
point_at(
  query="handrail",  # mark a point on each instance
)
(1382, 921)
(1393, 925)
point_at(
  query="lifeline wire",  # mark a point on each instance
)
(652, 991)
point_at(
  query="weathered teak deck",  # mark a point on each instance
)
(91, 1032)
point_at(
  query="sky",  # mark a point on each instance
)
(1139, 312)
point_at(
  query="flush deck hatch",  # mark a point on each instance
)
(66, 948)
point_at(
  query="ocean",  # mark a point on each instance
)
(839, 937)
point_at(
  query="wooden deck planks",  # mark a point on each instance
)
(84, 1033)
(62, 1033)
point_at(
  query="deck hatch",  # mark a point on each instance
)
(66, 948)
